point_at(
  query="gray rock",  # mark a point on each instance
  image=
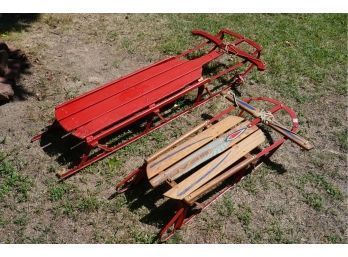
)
(6, 91)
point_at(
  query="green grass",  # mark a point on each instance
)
(249, 184)
(176, 238)
(320, 182)
(226, 207)
(291, 57)
(67, 208)
(58, 191)
(342, 138)
(142, 237)
(89, 204)
(12, 181)
(114, 163)
(112, 36)
(159, 138)
(277, 234)
(244, 215)
(276, 210)
(21, 220)
(3, 222)
(334, 239)
(314, 200)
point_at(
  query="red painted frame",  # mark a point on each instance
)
(204, 94)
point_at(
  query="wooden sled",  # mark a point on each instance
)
(147, 96)
(211, 154)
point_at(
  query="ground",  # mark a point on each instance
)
(306, 57)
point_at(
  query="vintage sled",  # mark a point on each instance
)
(210, 155)
(148, 95)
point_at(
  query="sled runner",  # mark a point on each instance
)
(209, 156)
(148, 96)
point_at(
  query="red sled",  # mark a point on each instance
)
(148, 96)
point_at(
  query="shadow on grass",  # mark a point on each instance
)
(16, 22)
(16, 64)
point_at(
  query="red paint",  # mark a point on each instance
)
(109, 108)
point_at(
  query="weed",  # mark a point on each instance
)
(249, 184)
(21, 220)
(255, 237)
(143, 237)
(13, 181)
(342, 138)
(67, 208)
(176, 238)
(57, 191)
(128, 45)
(88, 204)
(2, 222)
(160, 139)
(277, 234)
(276, 210)
(226, 207)
(112, 36)
(244, 215)
(114, 163)
(334, 239)
(314, 200)
(320, 182)
(119, 202)
(116, 64)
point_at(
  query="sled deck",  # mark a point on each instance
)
(145, 95)
(210, 158)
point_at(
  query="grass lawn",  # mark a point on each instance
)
(306, 58)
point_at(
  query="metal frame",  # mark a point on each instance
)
(185, 211)
(153, 111)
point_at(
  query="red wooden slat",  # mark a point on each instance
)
(141, 91)
(110, 89)
(136, 105)
(123, 98)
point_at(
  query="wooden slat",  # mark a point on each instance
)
(126, 106)
(176, 142)
(205, 153)
(215, 167)
(163, 161)
(115, 87)
(195, 195)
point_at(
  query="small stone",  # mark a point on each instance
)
(38, 96)
(95, 80)
(6, 91)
